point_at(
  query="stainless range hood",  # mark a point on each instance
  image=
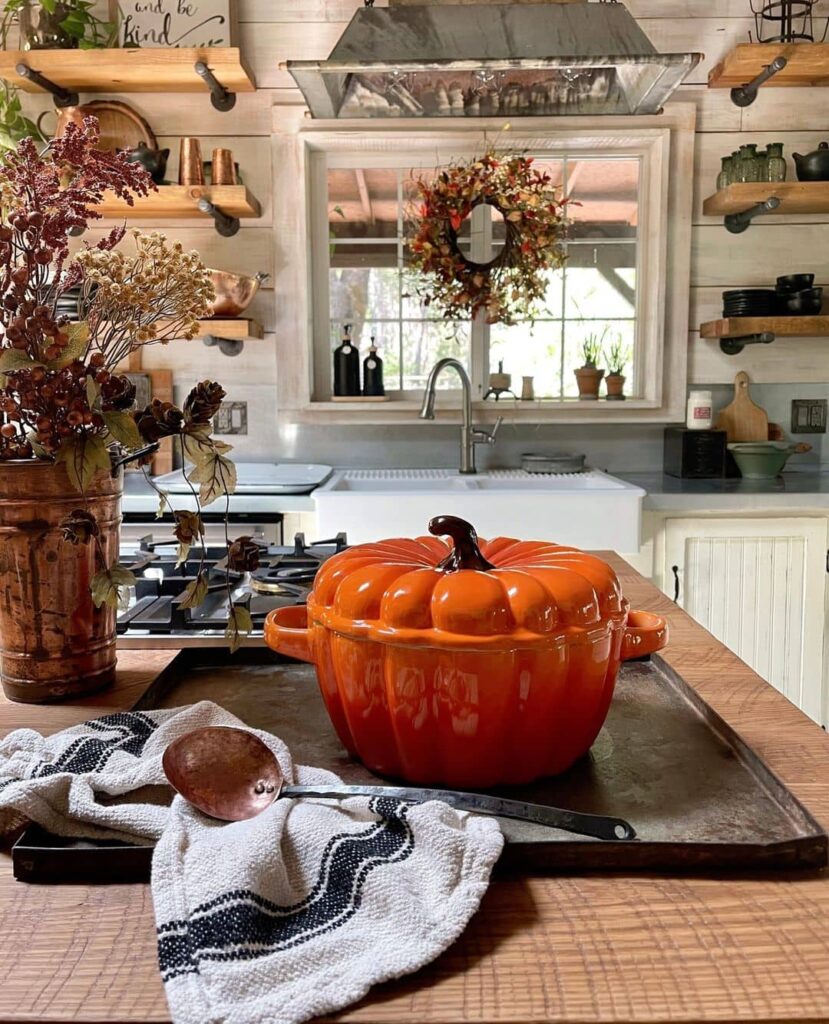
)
(487, 60)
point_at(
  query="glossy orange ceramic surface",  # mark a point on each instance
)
(461, 664)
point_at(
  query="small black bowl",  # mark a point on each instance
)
(794, 283)
(804, 303)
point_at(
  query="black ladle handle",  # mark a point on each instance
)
(598, 826)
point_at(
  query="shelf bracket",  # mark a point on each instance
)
(221, 98)
(225, 225)
(736, 223)
(733, 346)
(63, 97)
(745, 95)
(227, 346)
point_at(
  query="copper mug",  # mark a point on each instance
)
(223, 168)
(190, 166)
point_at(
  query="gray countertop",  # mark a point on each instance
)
(795, 490)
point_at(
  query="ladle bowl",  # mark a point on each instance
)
(230, 774)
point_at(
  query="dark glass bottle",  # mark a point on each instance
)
(373, 373)
(346, 366)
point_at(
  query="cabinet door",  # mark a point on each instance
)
(759, 586)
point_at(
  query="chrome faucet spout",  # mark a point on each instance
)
(469, 436)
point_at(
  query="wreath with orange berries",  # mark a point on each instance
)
(507, 287)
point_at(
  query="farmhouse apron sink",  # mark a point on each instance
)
(589, 510)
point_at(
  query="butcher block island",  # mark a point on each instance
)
(561, 946)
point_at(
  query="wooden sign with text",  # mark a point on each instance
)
(173, 23)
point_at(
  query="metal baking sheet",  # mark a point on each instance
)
(697, 795)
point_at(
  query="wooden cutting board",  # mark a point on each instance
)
(743, 419)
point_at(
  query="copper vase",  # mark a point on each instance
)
(54, 643)
(223, 169)
(190, 165)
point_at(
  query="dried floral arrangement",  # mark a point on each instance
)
(62, 397)
(533, 213)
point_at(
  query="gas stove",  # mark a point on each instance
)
(152, 615)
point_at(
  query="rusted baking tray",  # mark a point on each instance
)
(699, 798)
(697, 795)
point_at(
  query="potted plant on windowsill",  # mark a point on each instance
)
(57, 25)
(589, 376)
(67, 423)
(618, 355)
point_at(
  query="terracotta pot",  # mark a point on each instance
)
(54, 643)
(615, 384)
(464, 666)
(589, 379)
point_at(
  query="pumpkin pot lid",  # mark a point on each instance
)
(465, 592)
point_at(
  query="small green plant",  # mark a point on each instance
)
(74, 18)
(618, 354)
(14, 125)
(592, 348)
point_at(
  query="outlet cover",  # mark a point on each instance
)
(808, 415)
(232, 418)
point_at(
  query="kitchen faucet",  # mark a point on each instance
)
(470, 436)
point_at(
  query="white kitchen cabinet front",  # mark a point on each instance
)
(759, 586)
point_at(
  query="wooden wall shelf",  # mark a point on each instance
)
(182, 201)
(124, 70)
(780, 326)
(807, 64)
(232, 328)
(236, 328)
(794, 196)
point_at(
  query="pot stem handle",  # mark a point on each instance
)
(597, 826)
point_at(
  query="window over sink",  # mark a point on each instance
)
(628, 245)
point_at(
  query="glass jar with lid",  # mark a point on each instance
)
(776, 162)
(762, 165)
(725, 176)
(749, 163)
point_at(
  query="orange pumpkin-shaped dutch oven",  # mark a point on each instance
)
(465, 665)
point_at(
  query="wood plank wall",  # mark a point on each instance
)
(275, 30)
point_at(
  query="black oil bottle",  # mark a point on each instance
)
(346, 366)
(373, 373)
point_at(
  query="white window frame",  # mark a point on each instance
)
(664, 144)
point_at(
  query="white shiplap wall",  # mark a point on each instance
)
(274, 30)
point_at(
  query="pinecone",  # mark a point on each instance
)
(203, 402)
(159, 419)
(118, 393)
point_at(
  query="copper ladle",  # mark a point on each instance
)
(231, 775)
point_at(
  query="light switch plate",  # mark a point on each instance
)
(232, 418)
(808, 415)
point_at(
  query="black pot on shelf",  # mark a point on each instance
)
(813, 166)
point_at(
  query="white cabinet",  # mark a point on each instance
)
(758, 585)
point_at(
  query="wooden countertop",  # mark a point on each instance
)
(571, 949)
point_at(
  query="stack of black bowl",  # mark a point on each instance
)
(797, 297)
(749, 302)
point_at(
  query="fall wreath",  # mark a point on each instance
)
(533, 213)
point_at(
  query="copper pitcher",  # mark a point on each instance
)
(54, 642)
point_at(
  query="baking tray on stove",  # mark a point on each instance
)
(698, 796)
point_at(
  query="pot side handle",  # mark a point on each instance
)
(645, 633)
(286, 631)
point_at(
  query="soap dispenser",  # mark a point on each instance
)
(373, 373)
(346, 367)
